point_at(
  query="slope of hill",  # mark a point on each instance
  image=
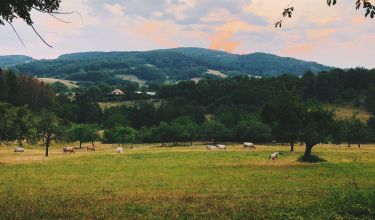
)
(169, 64)
(7, 61)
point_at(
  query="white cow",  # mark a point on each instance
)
(249, 145)
(221, 146)
(211, 147)
(119, 150)
(274, 156)
(19, 149)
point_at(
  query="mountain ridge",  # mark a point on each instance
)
(167, 64)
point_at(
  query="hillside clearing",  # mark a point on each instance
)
(184, 182)
(217, 73)
(347, 112)
(132, 78)
(68, 83)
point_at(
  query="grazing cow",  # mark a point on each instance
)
(274, 156)
(68, 150)
(19, 149)
(221, 146)
(92, 148)
(211, 147)
(248, 145)
(119, 150)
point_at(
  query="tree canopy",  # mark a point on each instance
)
(365, 4)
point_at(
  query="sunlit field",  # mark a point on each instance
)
(187, 183)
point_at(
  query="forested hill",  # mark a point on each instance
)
(167, 65)
(6, 61)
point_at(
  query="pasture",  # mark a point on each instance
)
(70, 84)
(149, 182)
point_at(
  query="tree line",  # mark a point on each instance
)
(20, 90)
(285, 109)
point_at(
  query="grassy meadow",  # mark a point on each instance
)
(149, 182)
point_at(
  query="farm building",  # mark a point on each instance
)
(118, 92)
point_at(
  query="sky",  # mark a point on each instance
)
(336, 36)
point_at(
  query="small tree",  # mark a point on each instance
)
(164, 133)
(339, 131)
(83, 133)
(357, 132)
(214, 130)
(49, 128)
(121, 135)
(185, 129)
(252, 129)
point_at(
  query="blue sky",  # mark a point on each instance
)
(338, 36)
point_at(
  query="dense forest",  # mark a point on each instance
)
(286, 109)
(162, 66)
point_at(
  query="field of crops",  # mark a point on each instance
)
(149, 182)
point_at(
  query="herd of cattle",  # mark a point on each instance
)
(119, 150)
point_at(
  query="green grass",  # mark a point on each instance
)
(187, 183)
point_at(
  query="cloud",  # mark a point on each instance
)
(335, 36)
(114, 9)
(223, 41)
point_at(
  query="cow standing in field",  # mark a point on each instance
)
(248, 145)
(68, 150)
(19, 150)
(274, 156)
(90, 148)
(221, 146)
(211, 147)
(119, 150)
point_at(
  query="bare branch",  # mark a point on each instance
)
(15, 31)
(66, 22)
(41, 38)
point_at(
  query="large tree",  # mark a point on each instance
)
(13, 9)
(284, 114)
(317, 125)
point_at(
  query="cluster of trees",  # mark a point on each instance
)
(22, 90)
(353, 86)
(20, 124)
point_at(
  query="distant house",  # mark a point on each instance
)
(118, 92)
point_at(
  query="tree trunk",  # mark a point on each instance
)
(292, 146)
(80, 144)
(307, 155)
(48, 140)
(92, 142)
(349, 144)
(359, 145)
